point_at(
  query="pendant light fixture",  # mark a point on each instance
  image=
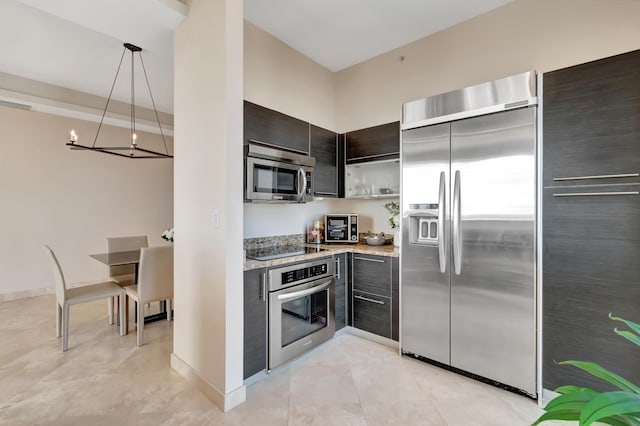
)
(133, 150)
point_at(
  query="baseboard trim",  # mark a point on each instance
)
(24, 294)
(224, 402)
(370, 336)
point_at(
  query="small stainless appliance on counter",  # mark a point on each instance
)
(341, 228)
(301, 308)
(277, 176)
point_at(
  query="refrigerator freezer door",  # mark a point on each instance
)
(426, 214)
(493, 296)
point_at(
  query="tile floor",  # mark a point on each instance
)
(104, 379)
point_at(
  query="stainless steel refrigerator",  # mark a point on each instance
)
(469, 230)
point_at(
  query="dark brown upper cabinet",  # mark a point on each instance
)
(591, 122)
(373, 143)
(275, 128)
(324, 148)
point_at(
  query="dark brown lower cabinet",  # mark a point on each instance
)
(591, 267)
(341, 290)
(375, 294)
(255, 323)
(372, 313)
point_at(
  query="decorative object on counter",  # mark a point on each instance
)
(393, 207)
(167, 234)
(586, 405)
(134, 149)
(377, 240)
(315, 232)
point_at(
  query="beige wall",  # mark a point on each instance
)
(71, 200)
(521, 36)
(208, 331)
(280, 78)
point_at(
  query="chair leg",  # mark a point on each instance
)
(110, 310)
(140, 322)
(58, 320)
(126, 315)
(65, 327)
(121, 319)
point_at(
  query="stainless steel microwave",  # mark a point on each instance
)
(341, 228)
(277, 176)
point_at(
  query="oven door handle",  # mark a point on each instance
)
(314, 289)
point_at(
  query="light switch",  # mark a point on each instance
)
(216, 219)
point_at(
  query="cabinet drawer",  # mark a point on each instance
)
(372, 274)
(372, 313)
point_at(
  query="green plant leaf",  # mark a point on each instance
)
(628, 335)
(610, 404)
(632, 325)
(573, 389)
(570, 401)
(606, 375)
(620, 421)
(558, 415)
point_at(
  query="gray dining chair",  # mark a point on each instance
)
(123, 275)
(155, 283)
(66, 297)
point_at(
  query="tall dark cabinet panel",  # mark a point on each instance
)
(341, 290)
(255, 322)
(275, 128)
(324, 148)
(591, 219)
(373, 143)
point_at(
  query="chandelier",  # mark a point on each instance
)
(132, 149)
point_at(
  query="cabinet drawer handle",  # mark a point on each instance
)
(263, 287)
(622, 175)
(595, 194)
(369, 259)
(325, 193)
(366, 299)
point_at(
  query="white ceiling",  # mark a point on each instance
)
(341, 33)
(77, 44)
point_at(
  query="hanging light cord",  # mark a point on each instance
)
(133, 105)
(153, 103)
(109, 98)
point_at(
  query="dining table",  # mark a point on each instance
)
(130, 258)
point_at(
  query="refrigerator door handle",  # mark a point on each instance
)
(457, 234)
(442, 249)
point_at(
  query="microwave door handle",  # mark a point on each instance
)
(301, 177)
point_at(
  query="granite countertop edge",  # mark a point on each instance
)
(385, 250)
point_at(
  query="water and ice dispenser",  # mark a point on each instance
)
(423, 224)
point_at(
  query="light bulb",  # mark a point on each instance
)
(73, 136)
(133, 139)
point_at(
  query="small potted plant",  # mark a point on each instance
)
(393, 207)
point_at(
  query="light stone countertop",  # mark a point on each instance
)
(388, 250)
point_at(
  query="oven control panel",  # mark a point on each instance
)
(287, 276)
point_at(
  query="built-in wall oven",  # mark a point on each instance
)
(301, 308)
(275, 175)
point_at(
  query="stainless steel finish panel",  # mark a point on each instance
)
(275, 274)
(280, 155)
(510, 92)
(493, 321)
(425, 289)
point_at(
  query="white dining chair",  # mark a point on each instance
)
(66, 297)
(123, 275)
(155, 283)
